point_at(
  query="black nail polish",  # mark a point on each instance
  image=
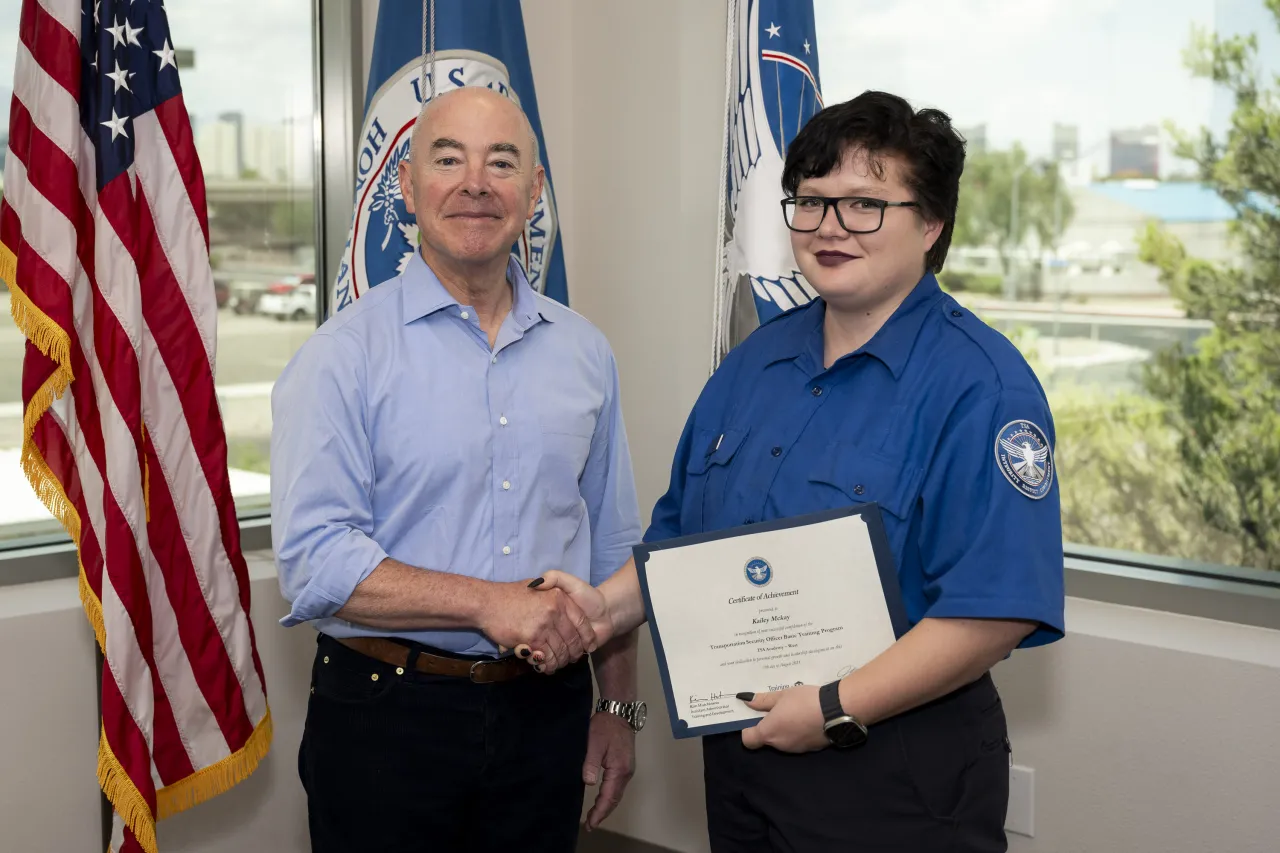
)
(746, 697)
(536, 582)
(523, 653)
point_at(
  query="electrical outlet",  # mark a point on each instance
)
(1022, 801)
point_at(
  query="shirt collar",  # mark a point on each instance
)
(891, 344)
(424, 294)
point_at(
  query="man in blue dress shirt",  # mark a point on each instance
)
(436, 445)
(885, 389)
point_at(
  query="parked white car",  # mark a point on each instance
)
(291, 298)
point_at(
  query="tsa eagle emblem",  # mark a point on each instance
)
(758, 571)
(1025, 458)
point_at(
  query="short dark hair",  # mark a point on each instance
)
(879, 123)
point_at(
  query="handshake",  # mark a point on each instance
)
(551, 621)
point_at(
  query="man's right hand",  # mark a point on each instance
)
(547, 621)
(589, 599)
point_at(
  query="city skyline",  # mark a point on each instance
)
(1103, 66)
(1018, 68)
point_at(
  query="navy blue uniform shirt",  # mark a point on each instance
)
(938, 419)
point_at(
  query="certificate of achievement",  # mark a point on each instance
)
(801, 600)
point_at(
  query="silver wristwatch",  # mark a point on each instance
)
(633, 712)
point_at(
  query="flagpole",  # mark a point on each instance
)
(108, 813)
(719, 320)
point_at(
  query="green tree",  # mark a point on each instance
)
(294, 221)
(991, 214)
(1222, 399)
(1119, 472)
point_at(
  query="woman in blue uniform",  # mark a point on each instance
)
(884, 389)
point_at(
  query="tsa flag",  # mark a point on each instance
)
(476, 44)
(775, 79)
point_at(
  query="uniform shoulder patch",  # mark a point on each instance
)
(1025, 458)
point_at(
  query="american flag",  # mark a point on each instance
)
(104, 242)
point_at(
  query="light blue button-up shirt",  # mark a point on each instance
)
(399, 432)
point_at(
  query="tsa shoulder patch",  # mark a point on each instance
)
(1025, 458)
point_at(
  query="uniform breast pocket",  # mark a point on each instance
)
(707, 476)
(562, 457)
(851, 475)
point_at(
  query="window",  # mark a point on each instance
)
(246, 68)
(1140, 283)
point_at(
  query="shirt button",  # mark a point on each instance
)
(502, 420)
(506, 549)
(857, 490)
(493, 360)
(466, 316)
(506, 484)
(777, 451)
(817, 390)
(957, 313)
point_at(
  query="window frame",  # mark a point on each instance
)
(337, 94)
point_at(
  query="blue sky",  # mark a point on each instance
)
(1021, 65)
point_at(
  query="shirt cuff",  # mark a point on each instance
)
(349, 562)
(1051, 625)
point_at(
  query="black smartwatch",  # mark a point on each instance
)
(842, 729)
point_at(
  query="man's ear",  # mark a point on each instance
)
(406, 183)
(539, 178)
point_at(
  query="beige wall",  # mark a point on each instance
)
(49, 799)
(1148, 732)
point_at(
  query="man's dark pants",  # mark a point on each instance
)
(424, 763)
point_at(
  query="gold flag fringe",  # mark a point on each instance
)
(53, 341)
(125, 797)
(216, 778)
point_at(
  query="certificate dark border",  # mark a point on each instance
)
(884, 564)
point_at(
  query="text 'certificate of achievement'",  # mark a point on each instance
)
(801, 600)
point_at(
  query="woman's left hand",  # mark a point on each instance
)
(793, 724)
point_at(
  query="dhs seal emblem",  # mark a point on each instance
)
(1025, 458)
(384, 235)
(758, 571)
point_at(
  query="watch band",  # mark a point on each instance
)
(829, 699)
(625, 710)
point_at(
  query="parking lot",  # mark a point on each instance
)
(252, 351)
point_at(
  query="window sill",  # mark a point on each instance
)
(54, 557)
(1209, 592)
(1151, 583)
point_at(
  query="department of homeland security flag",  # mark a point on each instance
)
(478, 43)
(774, 91)
(104, 243)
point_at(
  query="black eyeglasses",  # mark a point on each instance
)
(856, 214)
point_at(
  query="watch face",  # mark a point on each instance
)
(846, 734)
(640, 715)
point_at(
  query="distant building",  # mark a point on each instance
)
(1135, 153)
(1097, 254)
(218, 144)
(1066, 142)
(975, 138)
(266, 152)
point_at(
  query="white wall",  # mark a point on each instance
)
(1148, 732)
